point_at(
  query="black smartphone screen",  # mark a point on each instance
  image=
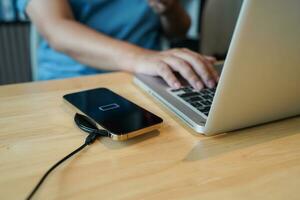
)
(111, 111)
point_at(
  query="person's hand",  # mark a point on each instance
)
(197, 69)
(161, 6)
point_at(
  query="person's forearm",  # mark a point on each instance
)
(175, 21)
(92, 48)
(56, 23)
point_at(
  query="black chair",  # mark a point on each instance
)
(216, 24)
(14, 46)
(15, 64)
(189, 43)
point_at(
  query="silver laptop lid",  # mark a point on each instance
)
(261, 76)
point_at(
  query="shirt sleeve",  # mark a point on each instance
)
(21, 6)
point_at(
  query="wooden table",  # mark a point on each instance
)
(37, 129)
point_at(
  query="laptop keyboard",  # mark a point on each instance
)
(198, 101)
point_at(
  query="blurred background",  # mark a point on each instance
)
(213, 22)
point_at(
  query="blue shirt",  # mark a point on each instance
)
(128, 20)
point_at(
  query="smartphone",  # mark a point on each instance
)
(122, 118)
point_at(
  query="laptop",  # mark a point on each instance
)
(260, 79)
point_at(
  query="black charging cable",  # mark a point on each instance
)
(85, 124)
